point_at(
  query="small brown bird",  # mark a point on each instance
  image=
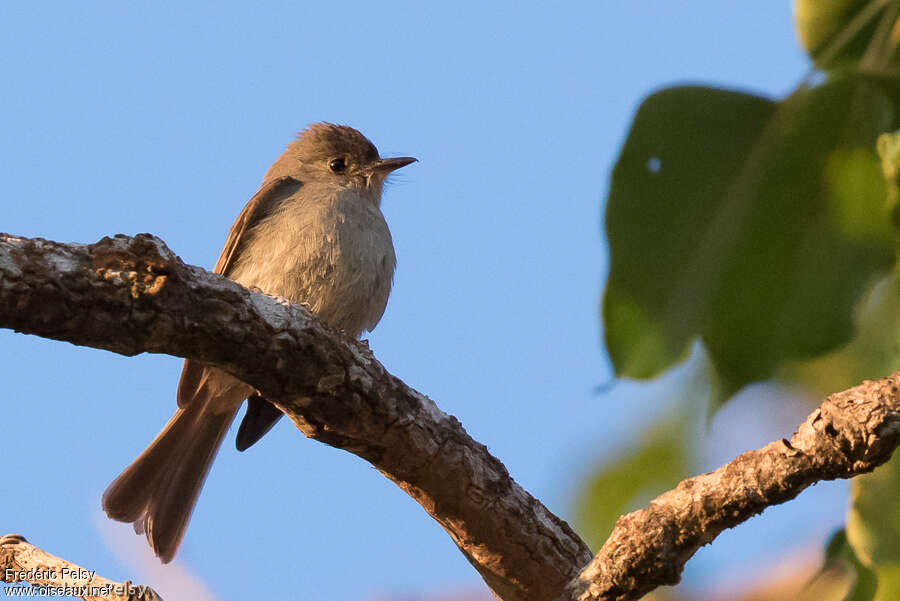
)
(314, 234)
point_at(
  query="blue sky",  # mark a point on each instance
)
(162, 117)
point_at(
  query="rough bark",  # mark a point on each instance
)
(52, 576)
(851, 433)
(132, 295)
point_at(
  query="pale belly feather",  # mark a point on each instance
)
(337, 259)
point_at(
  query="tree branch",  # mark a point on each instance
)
(53, 576)
(133, 295)
(851, 433)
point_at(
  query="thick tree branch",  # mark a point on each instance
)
(851, 433)
(52, 576)
(132, 295)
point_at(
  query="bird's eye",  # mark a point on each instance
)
(337, 165)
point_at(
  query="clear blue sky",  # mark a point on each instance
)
(162, 117)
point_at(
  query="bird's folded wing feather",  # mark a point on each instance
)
(261, 205)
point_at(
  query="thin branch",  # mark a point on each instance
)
(51, 576)
(132, 295)
(851, 433)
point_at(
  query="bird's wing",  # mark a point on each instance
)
(259, 207)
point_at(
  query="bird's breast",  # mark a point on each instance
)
(336, 257)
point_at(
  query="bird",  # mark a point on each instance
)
(314, 234)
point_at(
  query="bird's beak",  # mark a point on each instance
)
(387, 165)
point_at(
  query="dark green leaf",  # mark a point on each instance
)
(873, 352)
(752, 224)
(839, 551)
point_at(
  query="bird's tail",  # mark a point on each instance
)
(157, 492)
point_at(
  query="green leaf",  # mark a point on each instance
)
(873, 352)
(752, 224)
(873, 526)
(839, 551)
(873, 522)
(888, 146)
(836, 32)
(888, 583)
(656, 464)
